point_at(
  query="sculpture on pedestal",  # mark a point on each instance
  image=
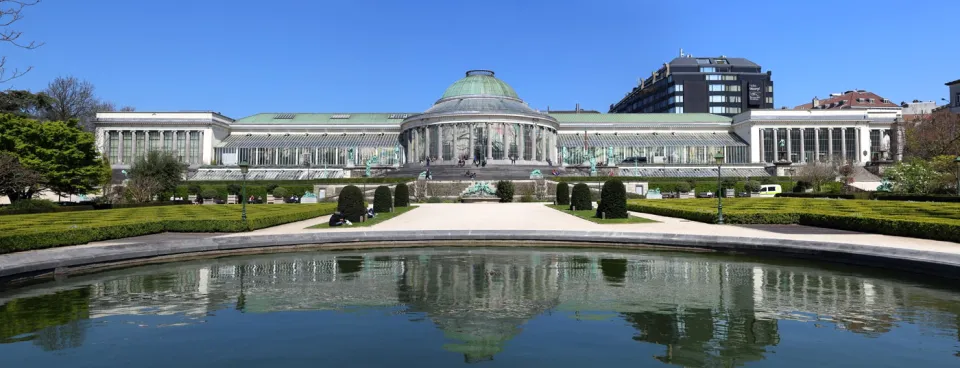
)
(593, 166)
(885, 147)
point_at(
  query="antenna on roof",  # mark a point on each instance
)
(681, 52)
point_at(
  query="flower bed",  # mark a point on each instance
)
(938, 221)
(25, 232)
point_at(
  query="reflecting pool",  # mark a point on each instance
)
(444, 307)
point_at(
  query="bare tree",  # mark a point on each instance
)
(16, 181)
(10, 12)
(935, 135)
(817, 174)
(143, 189)
(74, 98)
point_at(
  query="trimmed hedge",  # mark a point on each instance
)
(817, 195)
(613, 200)
(916, 197)
(27, 232)
(937, 221)
(382, 200)
(580, 199)
(594, 179)
(401, 196)
(505, 191)
(289, 183)
(351, 204)
(563, 194)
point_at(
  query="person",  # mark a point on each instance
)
(467, 174)
(337, 219)
(428, 162)
(370, 213)
(473, 176)
(483, 163)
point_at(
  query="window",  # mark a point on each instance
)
(154, 141)
(767, 138)
(713, 77)
(795, 145)
(679, 109)
(837, 144)
(717, 110)
(850, 152)
(733, 88)
(678, 99)
(114, 146)
(670, 90)
(734, 99)
(733, 110)
(823, 144)
(808, 144)
(716, 88)
(168, 141)
(703, 61)
(769, 100)
(720, 61)
(957, 101)
(679, 88)
(718, 99)
(769, 89)
(731, 77)
(127, 148)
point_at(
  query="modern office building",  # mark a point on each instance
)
(482, 118)
(715, 85)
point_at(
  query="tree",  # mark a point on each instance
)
(505, 191)
(350, 203)
(25, 103)
(613, 200)
(937, 134)
(74, 98)
(17, 182)
(580, 199)
(817, 174)
(401, 196)
(382, 199)
(752, 186)
(10, 12)
(913, 177)
(563, 194)
(65, 156)
(161, 169)
(142, 189)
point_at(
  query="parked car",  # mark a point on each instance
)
(633, 160)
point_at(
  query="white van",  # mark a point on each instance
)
(770, 190)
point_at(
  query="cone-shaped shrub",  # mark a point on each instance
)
(401, 196)
(350, 203)
(580, 200)
(505, 191)
(613, 200)
(381, 199)
(563, 194)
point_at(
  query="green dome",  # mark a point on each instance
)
(480, 82)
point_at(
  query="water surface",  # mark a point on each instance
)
(490, 307)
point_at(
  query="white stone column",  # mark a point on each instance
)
(426, 142)
(543, 143)
(473, 156)
(816, 144)
(843, 144)
(776, 146)
(439, 142)
(830, 144)
(789, 144)
(802, 150)
(489, 154)
(523, 143)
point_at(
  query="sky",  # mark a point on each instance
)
(241, 57)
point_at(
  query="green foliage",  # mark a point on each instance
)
(209, 193)
(271, 186)
(31, 206)
(160, 168)
(25, 103)
(401, 196)
(917, 177)
(234, 189)
(580, 198)
(63, 154)
(801, 186)
(833, 187)
(938, 221)
(505, 191)
(351, 204)
(613, 200)
(563, 194)
(25, 232)
(683, 187)
(752, 186)
(381, 199)
(526, 198)
(194, 189)
(280, 192)
(434, 200)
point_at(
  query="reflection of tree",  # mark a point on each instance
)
(58, 319)
(349, 265)
(614, 270)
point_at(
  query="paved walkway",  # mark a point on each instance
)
(536, 216)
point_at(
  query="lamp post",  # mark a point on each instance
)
(719, 158)
(244, 167)
(957, 160)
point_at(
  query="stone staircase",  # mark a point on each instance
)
(500, 172)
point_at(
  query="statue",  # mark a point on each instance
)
(654, 194)
(885, 186)
(885, 146)
(370, 161)
(396, 155)
(593, 166)
(535, 174)
(479, 189)
(308, 197)
(350, 157)
(609, 155)
(422, 176)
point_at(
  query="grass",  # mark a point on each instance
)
(381, 217)
(589, 216)
(36, 231)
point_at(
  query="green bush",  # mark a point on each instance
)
(683, 187)
(613, 200)
(916, 198)
(350, 203)
(526, 198)
(801, 186)
(816, 195)
(835, 187)
(280, 192)
(381, 199)
(434, 200)
(580, 198)
(194, 189)
(752, 186)
(31, 206)
(234, 189)
(271, 186)
(401, 196)
(37, 231)
(505, 191)
(209, 193)
(563, 194)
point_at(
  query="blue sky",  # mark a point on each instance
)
(243, 57)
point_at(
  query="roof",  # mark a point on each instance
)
(570, 118)
(651, 140)
(850, 100)
(952, 83)
(479, 82)
(712, 60)
(309, 140)
(480, 104)
(325, 118)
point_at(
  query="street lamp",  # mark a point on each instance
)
(957, 160)
(244, 167)
(719, 158)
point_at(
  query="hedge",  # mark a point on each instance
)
(613, 200)
(382, 200)
(351, 204)
(937, 221)
(916, 197)
(309, 183)
(26, 232)
(401, 196)
(581, 198)
(563, 194)
(505, 191)
(582, 179)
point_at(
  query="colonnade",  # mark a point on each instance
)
(807, 144)
(481, 141)
(125, 146)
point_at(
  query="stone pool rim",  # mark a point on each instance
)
(64, 260)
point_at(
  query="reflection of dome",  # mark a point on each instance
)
(480, 82)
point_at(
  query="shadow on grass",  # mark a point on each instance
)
(589, 216)
(381, 217)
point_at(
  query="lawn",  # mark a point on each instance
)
(35, 231)
(929, 220)
(589, 216)
(381, 217)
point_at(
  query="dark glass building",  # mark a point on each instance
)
(687, 84)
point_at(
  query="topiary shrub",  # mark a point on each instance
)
(752, 186)
(280, 192)
(580, 199)
(270, 187)
(401, 196)
(613, 200)
(683, 187)
(505, 191)
(563, 194)
(350, 203)
(209, 193)
(381, 199)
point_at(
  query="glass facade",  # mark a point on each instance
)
(836, 147)
(113, 146)
(823, 153)
(127, 148)
(795, 145)
(768, 145)
(809, 144)
(850, 146)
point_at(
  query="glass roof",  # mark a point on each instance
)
(660, 139)
(480, 82)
